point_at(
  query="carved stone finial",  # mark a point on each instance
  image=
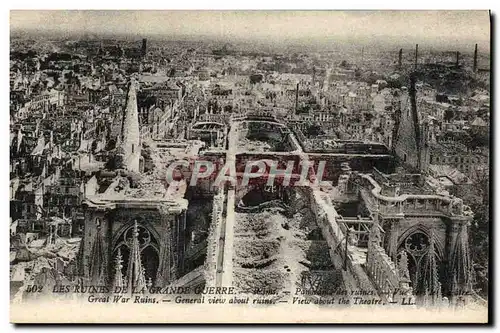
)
(149, 283)
(403, 270)
(136, 229)
(375, 236)
(118, 282)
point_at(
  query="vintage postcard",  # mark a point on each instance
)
(249, 166)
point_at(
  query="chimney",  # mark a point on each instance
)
(475, 59)
(400, 59)
(297, 98)
(416, 56)
(144, 47)
(458, 58)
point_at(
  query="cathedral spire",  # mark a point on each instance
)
(118, 282)
(97, 263)
(135, 275)
(433, 285)
(129, 146)
(460, 261)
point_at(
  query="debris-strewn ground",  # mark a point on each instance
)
(47, 263)
(254, 145)
(273, 251)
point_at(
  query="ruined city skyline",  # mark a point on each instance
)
(178, 173)
(431, 28)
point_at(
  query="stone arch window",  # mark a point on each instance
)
(417, 243)
(148, 246)
(417, 246)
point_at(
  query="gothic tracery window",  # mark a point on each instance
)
(147, 245)
(417, 247)
(417, 243)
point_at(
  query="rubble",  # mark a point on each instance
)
(272, 250)
(51, 261)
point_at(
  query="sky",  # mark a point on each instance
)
(266, 25)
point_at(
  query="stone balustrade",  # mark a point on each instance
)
(214, 233)
(328, 220)
(382, 270)
(401, 180)
(419, 204)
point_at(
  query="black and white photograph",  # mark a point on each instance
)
(265, 166)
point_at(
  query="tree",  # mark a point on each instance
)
(448, 115)
(344, 64)
(256, 78)
(314, 130)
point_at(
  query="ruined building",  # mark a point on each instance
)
(128, 153)
(410, 135)
(418, 216)
(366, 228)
(133, 216)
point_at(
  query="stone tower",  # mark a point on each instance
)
(410, 136)
(129, 145)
